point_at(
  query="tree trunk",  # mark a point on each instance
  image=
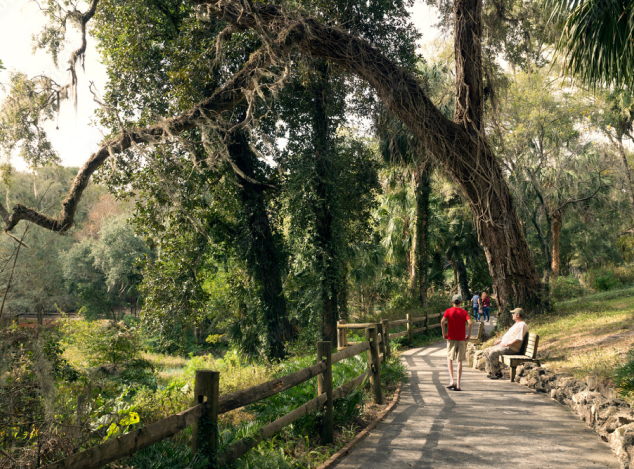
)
(628, 176)
(343, 292)
(557, 222)
(418, 278)
(408, 253)
(480, 176)
(543, 241)
(327, 258)
(262, 254)
(463, 280)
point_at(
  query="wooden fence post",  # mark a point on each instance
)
(381, 345)
(205, 436)
(427, 323)
(374, 364)
(342, 335)
(410, 334)
(324, 385)
(386, 337)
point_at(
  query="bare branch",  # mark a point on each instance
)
(18, 240)
(574, 201)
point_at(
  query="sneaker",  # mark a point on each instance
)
(498, 376)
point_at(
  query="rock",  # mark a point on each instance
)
(479, 363)
(586, 397)
(471, 351)
(519, 372)
(546, 380)
(615, 420)
(571, 386)
(582, 403)
(561, 377)
(532, 382)
(622, 443)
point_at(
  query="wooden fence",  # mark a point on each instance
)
(384, 326)
(203, 416)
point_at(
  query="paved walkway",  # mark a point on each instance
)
(489, 424)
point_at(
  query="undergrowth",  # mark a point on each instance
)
(296, 446)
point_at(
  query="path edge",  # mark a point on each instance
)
(365, 432)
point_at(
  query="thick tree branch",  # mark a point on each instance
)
(399, 89)
(225, 99)
(460, 146)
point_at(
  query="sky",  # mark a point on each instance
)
(74, 136)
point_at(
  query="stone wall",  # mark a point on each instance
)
(594, 403)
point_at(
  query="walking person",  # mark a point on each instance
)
(476, 306)
(454, 319)
(486, 306)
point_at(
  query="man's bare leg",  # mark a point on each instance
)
(459, 374)
(450, 367)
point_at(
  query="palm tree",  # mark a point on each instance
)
(597, 41)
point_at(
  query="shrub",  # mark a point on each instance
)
(564, 288)
(606, 281)
(131, 321)
(104, 341)
(624, 375)
(345, 409)
(168, 454)
(138, 372)
(625, 274)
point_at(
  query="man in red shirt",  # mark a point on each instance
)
(455, 319)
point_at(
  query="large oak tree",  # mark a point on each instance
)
(461, 145)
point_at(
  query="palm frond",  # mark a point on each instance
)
(597, 41)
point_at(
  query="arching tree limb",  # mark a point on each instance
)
(460, 146)
(225, 99)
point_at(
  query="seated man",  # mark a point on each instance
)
(510, 344)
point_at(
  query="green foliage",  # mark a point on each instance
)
(624, 375)
(53, 350)
(596, 40)
(565, 288)
(283, 403)
(105, 272)
(168, 454)
(29, 103)
(605, 280)
(609, 277)
(104, 342)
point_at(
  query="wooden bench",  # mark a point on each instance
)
(477, 340)
(528, 353)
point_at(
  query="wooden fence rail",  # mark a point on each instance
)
(208, 405)
(126, 445)
(384, 327)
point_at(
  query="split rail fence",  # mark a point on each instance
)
(203, 416)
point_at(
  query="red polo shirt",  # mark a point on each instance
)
(456, 319)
